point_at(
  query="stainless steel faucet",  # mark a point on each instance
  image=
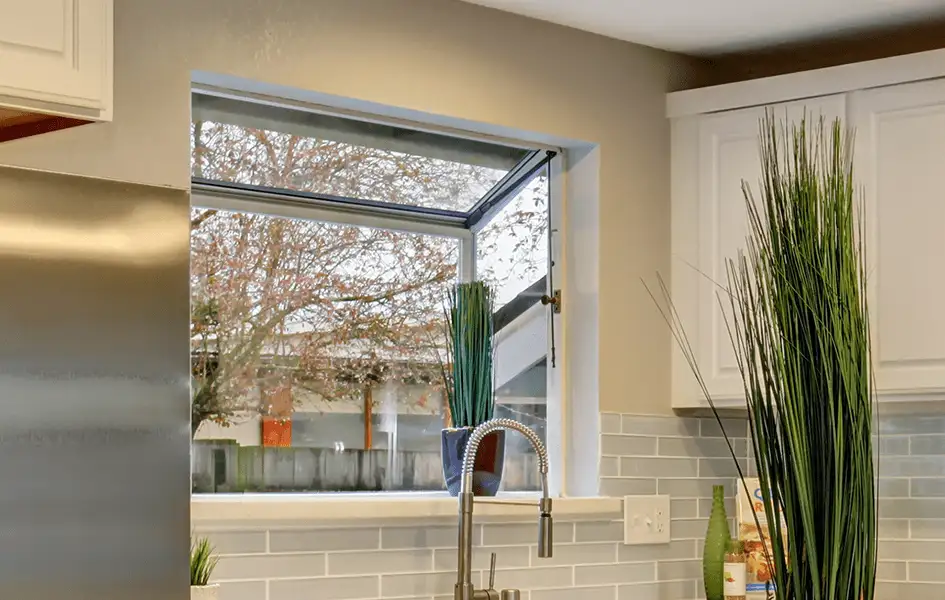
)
(464, 589)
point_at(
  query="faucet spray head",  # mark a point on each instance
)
(545, 529)
(545, 536)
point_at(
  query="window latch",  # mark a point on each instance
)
(554, 300)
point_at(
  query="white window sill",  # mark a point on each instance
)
(349, 507)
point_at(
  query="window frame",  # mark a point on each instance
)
(436, 222)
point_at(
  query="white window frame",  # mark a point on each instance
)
(275, 205)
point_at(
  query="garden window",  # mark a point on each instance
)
(322, 248)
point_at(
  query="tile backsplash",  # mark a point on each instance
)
(681, 457)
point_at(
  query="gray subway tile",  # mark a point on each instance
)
(576, 554)
(584, 593)
(667, 570)
(422, 584)
(236, 542)
(688, 529)
(893, 529)
(434, 536)
(507, 557)
(533, 578)
(699, 447)
(324, 588)
(734, 428)
(625, 486)
(927, 571)
(683, 508)
(925, 444)
(659, 467)
(609, 466)
(893, 488)
(627, 445)
(912, 466)
(516, 534)
(926, 487)
(380, 561)
(612, 574)
(328, 539)
(663, 590)
(911, 508)
(752, 468)
(609, 423)
(928, 529)
(887, 590)
(243, 590)
(910, 550)
(694, 488)
(598, 531)
(721, 467)
(911, 425)
(894, 446)
(675, 550)
(891, 571)
(263, 566)
(660, 426)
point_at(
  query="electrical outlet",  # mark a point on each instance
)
(645, 520)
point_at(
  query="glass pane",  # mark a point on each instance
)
(512, 255)
(512, 249)
(253, 144)
(314, 355)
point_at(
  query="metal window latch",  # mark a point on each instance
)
(554, 300)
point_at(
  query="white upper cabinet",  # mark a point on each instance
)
(900, 162)
(56, 57)
(712, 155)
(897, 107)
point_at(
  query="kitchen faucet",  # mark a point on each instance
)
(464, 589)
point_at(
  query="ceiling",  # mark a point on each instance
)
(711, 27)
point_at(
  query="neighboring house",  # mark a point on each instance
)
(408, 417)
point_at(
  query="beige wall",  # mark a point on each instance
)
(437, 56)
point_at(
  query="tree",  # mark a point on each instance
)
(326, 306)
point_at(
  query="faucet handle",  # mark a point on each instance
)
(492, 572)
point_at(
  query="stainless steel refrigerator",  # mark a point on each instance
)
(94, 379)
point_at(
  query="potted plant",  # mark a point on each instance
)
(202, 563)
(468, 383)
(800, 329)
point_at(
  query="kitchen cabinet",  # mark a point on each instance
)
(712, 155)
(897, 107)
(55, 63)
(900, 161)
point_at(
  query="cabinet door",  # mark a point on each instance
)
(58, 52)
(729, 154)
(900, 161)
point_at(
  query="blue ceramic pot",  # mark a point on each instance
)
(487, 470)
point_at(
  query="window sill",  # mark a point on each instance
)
(352, 507)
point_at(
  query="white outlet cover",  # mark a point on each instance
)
(645, 520)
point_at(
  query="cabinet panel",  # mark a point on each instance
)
(728, 153)
(900, 160)
(58, 52)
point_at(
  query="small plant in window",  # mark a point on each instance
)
(468, 381)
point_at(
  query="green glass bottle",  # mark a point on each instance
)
(716, 541)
